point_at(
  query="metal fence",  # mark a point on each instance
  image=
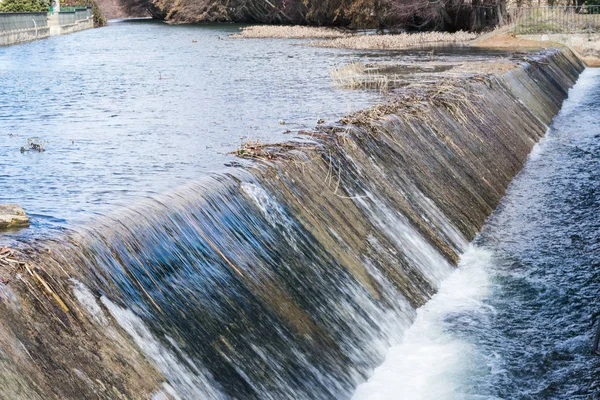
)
(25, 20)
(73, 15)
(83, 13)
(558, 19)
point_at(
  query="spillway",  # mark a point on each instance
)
(291, 278)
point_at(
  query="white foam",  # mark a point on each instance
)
(270, 208)
(396, 226)
(87, 299)
(588, 81)
(182, 382)
(538, 148)
(429, 362)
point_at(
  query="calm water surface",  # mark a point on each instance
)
(140, 107)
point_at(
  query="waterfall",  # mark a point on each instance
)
(288, 280)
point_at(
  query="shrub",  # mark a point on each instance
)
(99, 18)
(24, 6)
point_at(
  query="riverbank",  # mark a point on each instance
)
(346, 39)
(26, 27)
(290, 32)
(586, 45)
(291, 277)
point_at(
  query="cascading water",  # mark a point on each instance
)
(518, 317)
(293, 320)
(290, 279)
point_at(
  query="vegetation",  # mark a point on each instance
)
(99, 19)
(449, 15)
(34, 144)
(24, 6)
(594, 6)
(290, 32)
(395, 42)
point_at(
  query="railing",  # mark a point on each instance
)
(83, 13)
(70, 15)
(25, 20)
(558, 19)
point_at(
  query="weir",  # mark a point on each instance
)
(288, 279)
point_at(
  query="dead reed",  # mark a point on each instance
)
(11, 264)
(290, 32)
(269, 151)
(363, 76)
(395, 42)
(415, 101)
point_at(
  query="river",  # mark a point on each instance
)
(140, 107)
(517, 320)
(292, 282)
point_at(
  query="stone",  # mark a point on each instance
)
(12, 216)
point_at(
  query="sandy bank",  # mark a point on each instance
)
(585, 45)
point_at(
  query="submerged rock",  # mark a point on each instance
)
(13, 216)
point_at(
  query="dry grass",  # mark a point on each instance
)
(361, 76)
(508, 41)
(268, 151)
(395, 42)
(10, 261)
(290, 32)
(414, 102)
(489, 67)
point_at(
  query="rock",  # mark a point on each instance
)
(12, 216)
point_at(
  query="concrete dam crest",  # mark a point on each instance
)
(285, 280)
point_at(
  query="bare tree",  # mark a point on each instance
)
(448, 15)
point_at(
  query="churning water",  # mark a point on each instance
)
(517, 320)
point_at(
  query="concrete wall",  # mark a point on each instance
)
(70, 28)
(20, 27)
(23, 35)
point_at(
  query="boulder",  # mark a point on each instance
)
(12, 216)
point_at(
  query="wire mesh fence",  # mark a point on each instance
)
(72, 15)
(557, 19)
(25, 20)
(83, 13)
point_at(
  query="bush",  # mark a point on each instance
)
(99, 19)
(24, 6)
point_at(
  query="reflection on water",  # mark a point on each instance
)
(140, 107)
